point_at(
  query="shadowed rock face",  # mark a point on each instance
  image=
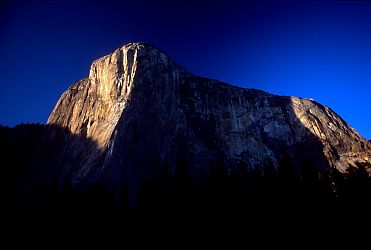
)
(145, 114)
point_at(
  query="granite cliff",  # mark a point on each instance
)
(141, 119)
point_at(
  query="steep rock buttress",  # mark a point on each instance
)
(141, 113)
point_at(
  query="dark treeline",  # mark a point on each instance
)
(18, 146)
(21, 146)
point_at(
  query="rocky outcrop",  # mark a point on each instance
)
(139, 113)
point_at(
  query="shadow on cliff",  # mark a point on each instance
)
(40, 161)
(40, 164)
(321, 182)
(304, 177)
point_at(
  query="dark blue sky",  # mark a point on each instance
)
(314, 49)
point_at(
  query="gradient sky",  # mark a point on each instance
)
(314, 49)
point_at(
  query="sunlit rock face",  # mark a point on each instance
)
(93, 105)
(144, 113)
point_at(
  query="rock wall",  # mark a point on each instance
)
(145, 113)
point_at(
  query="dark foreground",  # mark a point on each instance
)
(264, 192)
